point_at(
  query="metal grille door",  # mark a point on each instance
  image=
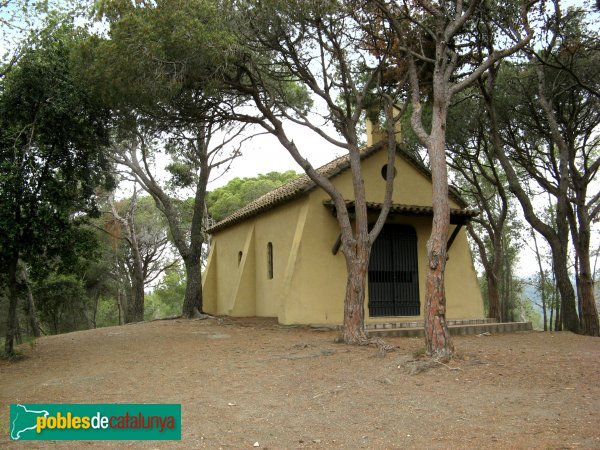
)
(393, 273)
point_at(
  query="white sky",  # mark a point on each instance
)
(265, 154)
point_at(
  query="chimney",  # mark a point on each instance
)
(377, 133)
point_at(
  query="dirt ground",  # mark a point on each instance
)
(242, 382)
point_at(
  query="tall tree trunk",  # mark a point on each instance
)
(492, 264)
(557, 236)
(509, 315)
(357, 265)
(552, 306)
(580, 233)
(135, 305)
(437, 336)
(542, 283)
(495, 300)
(557, 302)
(13, 298)
(30, 310)
(559, 245)
(589, 312)
(96, 299)
(493, 296)
(192, 303)
(120, 306)
(34, 323)
(506, 300)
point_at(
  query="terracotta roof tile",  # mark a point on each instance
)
(303, 184)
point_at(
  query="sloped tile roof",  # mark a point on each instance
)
(410, 210)
(303, 184)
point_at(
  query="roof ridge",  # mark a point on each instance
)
(302, 184)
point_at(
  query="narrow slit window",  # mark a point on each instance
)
(270, 260)
(240, 254)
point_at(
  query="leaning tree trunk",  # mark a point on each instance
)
(437, 336)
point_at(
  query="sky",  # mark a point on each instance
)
(265, 154)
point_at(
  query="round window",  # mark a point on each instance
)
(384, 172)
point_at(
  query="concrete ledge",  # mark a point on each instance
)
(455, 330)
(420, 323)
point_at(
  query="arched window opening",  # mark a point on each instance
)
(240, 254)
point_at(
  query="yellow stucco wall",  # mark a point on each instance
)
(308, 280)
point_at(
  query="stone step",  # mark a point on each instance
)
(420, 324)
(455, 330)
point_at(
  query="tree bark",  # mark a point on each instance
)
(120, 306)
(135, 306)
(589, 312)
(493, 296)
(580, 233)
(542, 283)
(559, 245)
(34, 323)
(437, 336)
(357, 265)
(492, 265)
(192, 302)
(557, 303)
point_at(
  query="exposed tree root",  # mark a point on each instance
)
(382, 346)
(199, 316)
(446, 365)
(441, 355)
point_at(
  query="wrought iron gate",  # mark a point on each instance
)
(393, 273)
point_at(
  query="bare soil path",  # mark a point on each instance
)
(248, 381)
